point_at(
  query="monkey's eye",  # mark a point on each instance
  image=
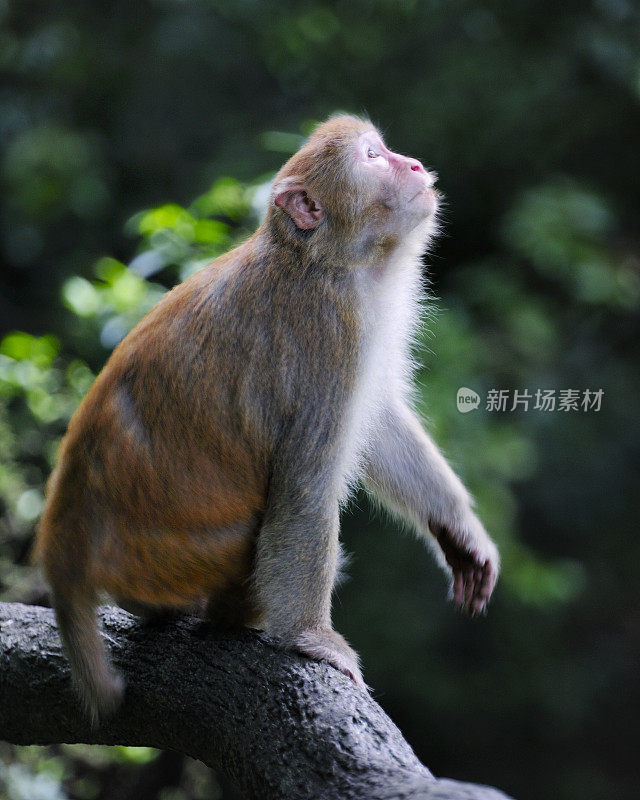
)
(371, 153)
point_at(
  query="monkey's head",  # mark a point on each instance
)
(344, 188)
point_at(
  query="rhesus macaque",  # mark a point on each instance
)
(209, 461)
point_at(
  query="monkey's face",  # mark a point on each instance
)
(353, 193)
(396, 187)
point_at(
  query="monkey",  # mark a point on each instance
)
(207, 466)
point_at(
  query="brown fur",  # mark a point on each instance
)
(207, 462)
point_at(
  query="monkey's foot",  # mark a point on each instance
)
(324, 644)
(474, 568)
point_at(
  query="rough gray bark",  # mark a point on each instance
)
(278, 726)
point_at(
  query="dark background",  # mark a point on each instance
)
(137, 142)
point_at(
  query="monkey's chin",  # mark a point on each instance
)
(423, 208)
(423, 205)
(423, 230)
(428, 199)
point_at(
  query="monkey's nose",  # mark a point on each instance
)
(402, 162)
(415, 165)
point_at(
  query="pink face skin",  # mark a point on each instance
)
(406, 181)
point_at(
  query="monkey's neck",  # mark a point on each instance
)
(315, 253)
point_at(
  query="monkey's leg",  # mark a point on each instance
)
(231, 608)
(296, 565)
(407, 473)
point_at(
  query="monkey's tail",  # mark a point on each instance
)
(62, 547)
(100, 686)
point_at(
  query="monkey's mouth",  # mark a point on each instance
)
(429, 191)
(431, 200)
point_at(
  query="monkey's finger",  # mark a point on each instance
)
(478, 600)
(469, 587)
(488, 580)
(458, 588)
(468, 594)
(484, 588)
(357, 679)
(477, 608)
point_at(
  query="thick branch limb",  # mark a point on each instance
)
(276, 725)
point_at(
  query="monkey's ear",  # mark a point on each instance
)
(304, 209)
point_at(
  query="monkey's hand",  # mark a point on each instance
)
(325, 644)
(473, 559)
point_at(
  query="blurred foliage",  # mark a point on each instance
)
(66, 772)
(530, 112)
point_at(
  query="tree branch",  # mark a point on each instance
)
(277, 725)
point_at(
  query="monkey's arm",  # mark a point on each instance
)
(296, 564)
(405, 470)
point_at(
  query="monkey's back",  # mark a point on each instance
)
(158, 490)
